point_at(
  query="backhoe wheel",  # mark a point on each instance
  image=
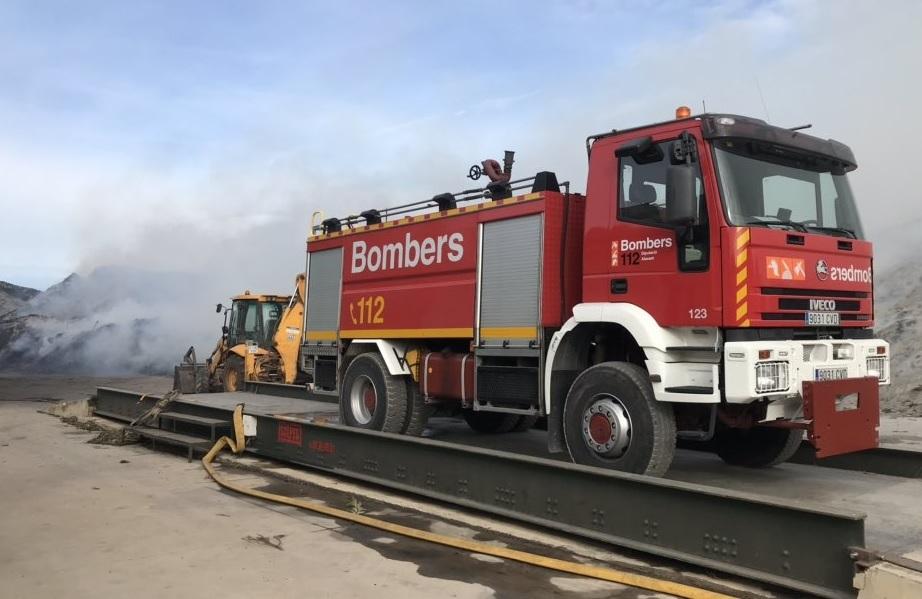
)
(233, 374)
(417, 411)
(757, 447)
(491, 422)
(612, 420)
(371, 397)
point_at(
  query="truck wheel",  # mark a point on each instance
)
(612, 420)
(371, 398)
(417, 411)
(490, 422)
(233, 374)
(757, 447)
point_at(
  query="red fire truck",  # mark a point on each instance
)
(713, 285)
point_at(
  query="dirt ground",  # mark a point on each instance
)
(46, 387)
(83, 520)
(86, 520)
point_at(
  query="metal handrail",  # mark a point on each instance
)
(467, 195)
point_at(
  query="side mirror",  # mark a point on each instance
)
(218, 309)
(681, 200)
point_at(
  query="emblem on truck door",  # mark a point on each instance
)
(822, 271)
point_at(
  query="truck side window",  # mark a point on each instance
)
(642, 200)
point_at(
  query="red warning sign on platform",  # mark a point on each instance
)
(290, 433)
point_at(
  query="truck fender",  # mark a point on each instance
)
(658, 343)
(638, 322)
(393, 352)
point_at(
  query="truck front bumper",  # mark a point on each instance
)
(776, 370)
(829, 387)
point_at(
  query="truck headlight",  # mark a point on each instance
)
(842, 352)
(772, 377)
(879, 367)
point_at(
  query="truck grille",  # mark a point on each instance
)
(815, 292)
(803, 303)
(792, 305)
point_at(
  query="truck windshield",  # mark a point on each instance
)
(771, 187)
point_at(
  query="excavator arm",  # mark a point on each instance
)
(287, 340)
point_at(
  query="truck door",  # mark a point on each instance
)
(670, 272)
(319, 354)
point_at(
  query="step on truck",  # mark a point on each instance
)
(713, 285)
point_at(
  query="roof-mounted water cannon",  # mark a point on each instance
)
(499, 186)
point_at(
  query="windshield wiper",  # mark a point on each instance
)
(785, 223)
(843, 230)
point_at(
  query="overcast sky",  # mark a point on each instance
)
(200, 136)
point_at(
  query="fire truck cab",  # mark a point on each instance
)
(713, 285)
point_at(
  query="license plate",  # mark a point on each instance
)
(823, 319)
(830, 374)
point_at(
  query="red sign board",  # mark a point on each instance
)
(290, 433)
(322, 446)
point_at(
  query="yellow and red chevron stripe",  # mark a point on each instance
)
(742, 273)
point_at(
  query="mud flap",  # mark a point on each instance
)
(844, 415)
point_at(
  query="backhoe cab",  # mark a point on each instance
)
(247, 341)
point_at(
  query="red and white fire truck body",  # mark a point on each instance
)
(712, 285)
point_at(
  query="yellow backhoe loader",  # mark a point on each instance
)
(260, 341)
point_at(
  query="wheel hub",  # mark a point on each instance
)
(363, 399)
(369, 399)
(606, 427)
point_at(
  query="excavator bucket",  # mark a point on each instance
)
(190, 376)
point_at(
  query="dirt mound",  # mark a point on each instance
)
(110, 434)
(899, 321)
(14, 297)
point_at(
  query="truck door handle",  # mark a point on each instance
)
(619, 285)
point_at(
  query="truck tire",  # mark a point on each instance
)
(490, 422)
(371, 398)
(232, 378)
(757, 447)
(612, 420)
(417, 411)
